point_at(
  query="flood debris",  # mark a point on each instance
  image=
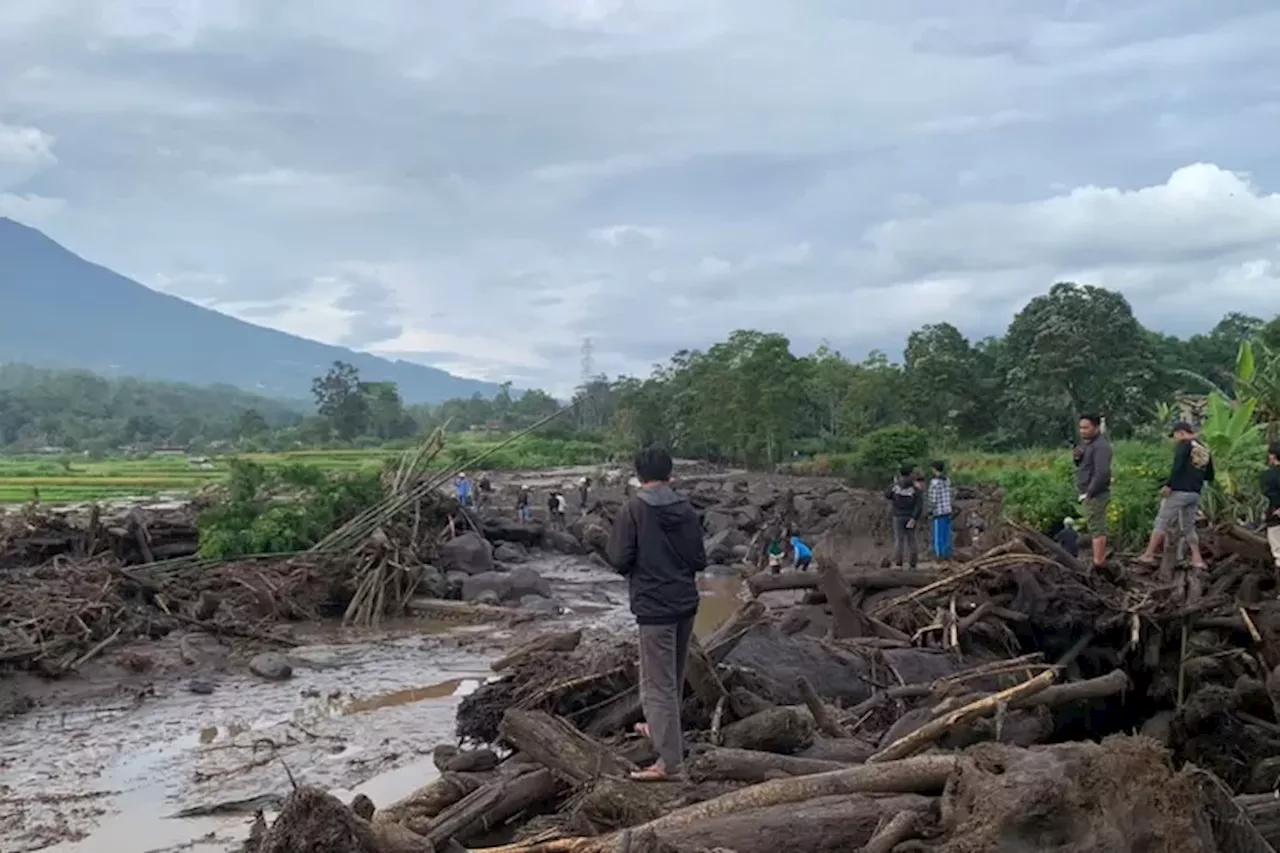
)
(1018, 701)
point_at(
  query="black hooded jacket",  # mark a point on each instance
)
(656, 544)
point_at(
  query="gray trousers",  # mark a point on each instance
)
(1180, 509)
(904, 540)
(664, 652)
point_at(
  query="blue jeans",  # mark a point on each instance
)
(942, 537)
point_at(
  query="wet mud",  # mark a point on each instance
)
(125, 762)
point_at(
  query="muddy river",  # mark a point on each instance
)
(145, 767)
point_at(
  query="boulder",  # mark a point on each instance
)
(272, 666)
(510, 552)
(521, 534)
(750, 517)
(470, 553)
(565, 543)
(716, 521)
(505, 586)
(719, 546)
(528, 582)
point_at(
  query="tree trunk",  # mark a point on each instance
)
(555, 744)
(750, 765)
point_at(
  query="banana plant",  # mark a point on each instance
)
(1238, 443)
(1258, 377)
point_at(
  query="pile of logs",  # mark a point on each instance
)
(1016, 702)
(130, 533)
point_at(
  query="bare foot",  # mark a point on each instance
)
(654, 773)
(642, 729)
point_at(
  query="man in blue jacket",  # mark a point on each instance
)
(656, 543)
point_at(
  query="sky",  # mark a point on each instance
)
(481, 185)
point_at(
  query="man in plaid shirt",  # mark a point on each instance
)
(940, 511)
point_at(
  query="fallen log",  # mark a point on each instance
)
(417, 810)
(871, 580)
(491, 806)
(936, 728)
(822, 715)
(751, 765)
(555, 744)
(899, 828)
(782, 730)
(565, 641)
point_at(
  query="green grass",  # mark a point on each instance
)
(70, 479)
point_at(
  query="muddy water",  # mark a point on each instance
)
(360, 715)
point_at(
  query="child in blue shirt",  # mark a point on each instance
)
(803, 555)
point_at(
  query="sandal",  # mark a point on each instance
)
(654, 773)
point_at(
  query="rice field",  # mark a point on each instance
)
(71, 479)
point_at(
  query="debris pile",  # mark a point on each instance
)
(1015, 702)
(129, 533)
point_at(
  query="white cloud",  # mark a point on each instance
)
(516, 175)
(31, 210)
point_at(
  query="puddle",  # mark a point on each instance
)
(720, 597)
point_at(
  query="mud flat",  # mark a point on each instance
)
(118, 760)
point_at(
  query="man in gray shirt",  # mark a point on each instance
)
(1093, 483)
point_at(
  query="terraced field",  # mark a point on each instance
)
(69, 479)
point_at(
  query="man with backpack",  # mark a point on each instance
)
(1180, 496)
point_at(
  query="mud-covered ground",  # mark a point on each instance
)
(124, 760)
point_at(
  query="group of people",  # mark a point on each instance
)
(913, 500)
(557, 505)
(1180, 495)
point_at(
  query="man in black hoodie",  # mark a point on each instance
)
(1271, 488)
(657, 544)
(907, 497)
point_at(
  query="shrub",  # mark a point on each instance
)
(881, 453)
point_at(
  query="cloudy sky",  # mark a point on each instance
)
(481, 184)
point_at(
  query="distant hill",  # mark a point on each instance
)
(59, 310)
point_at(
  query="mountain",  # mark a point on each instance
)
(59, 310)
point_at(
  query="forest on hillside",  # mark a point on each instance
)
(747, 399)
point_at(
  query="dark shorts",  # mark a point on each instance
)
(1095, 514)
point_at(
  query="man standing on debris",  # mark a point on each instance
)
(1271, 488)
(1180, 496)
(584, 491)
(656, 544)
(940, 510)
(523, 509)
(908, 506)
(553, 509)
(464, 489)
(485, 487)
(1093, 482)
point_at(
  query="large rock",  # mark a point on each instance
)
(470, 553)
(510, 552)
(522, 534)
(271, 666)
(717, 522)
(719, 546)
(565, 543)
(505, 586)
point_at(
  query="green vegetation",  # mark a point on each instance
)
(65, 478)
(286, 508)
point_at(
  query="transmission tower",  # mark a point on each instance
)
(588, 361)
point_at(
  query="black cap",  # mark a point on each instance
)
(1182, 426)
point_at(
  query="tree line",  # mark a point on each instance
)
(746, 399)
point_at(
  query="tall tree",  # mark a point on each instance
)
(340, 399)
(940, 371)
(1078, 348)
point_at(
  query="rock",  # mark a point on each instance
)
(740, 552)
(432, 582)
(488, 597)
(271, 666)
(510, 552)
(200, 686)
(526, 581)
(521, 534)
(470, 553)
(497, 584)
(750, 517)
(538, 604)
(565, 543)
(719, 546)
(203, 651)
(804, 506)
(719, 569)
(504, 586)
(716, 521)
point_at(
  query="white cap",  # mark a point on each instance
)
(1068, 522)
